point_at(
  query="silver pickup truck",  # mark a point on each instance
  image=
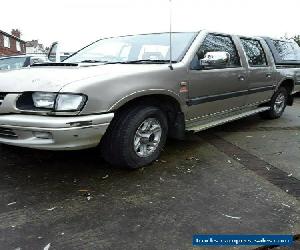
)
(128, 94)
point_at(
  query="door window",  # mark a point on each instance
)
(254, 52)
(220, 43)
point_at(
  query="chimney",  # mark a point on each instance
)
(16, 32)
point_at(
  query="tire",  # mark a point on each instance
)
(278, 104)
(118, 144)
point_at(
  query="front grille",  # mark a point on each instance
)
(2, 95)
(7, 133)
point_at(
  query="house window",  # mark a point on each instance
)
(6, 42)
(18, 46)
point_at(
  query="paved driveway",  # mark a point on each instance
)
(243, 177)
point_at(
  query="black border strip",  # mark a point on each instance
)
(212, 98)
(287, 66)
(296, 239)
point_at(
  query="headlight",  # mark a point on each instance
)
(68, 102)
(44, 100)
(56, 102)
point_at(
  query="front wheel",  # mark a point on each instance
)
(136, 137)
(278, 104)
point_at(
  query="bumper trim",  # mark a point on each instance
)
(21, 120)
(66, 132)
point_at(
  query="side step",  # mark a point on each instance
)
(227, 119)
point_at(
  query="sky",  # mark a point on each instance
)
(76, 23)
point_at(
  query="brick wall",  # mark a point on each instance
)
(13, 48)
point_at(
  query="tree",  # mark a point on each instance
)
(297, 39)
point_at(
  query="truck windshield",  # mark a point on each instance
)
(137, 48)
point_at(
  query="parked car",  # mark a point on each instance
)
(125, 93)
(21, 61)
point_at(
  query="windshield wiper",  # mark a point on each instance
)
(65, 64)
(93, 61)
(130, 62)
(147, 61)
(142, 61)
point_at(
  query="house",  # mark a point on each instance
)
(11, 44)
(34, 47)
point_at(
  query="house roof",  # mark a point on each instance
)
(34, 43)
(10, 35)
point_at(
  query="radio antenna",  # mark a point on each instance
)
(170, 13)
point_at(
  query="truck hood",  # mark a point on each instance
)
(53, 78)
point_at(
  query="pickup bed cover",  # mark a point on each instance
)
(285, 52)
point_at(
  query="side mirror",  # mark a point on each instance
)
(54, 54)
(215, 59)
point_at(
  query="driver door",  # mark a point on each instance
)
(216, 89)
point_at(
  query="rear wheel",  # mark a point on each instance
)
(135, 137)
(277, 104)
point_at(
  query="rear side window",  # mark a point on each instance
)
(287, 51)
(220, 43)
(254, 51)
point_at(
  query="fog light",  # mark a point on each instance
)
(43, 135)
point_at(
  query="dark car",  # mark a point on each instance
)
(21, 61)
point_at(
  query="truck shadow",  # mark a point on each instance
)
(35, 176)
(90, 160)
(21, 167)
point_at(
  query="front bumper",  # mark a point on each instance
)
(53, 133)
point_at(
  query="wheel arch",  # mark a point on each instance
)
(289, 84)
(168, 101)
(151, 93)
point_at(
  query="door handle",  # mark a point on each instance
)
(268, 75)
(242, 77)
